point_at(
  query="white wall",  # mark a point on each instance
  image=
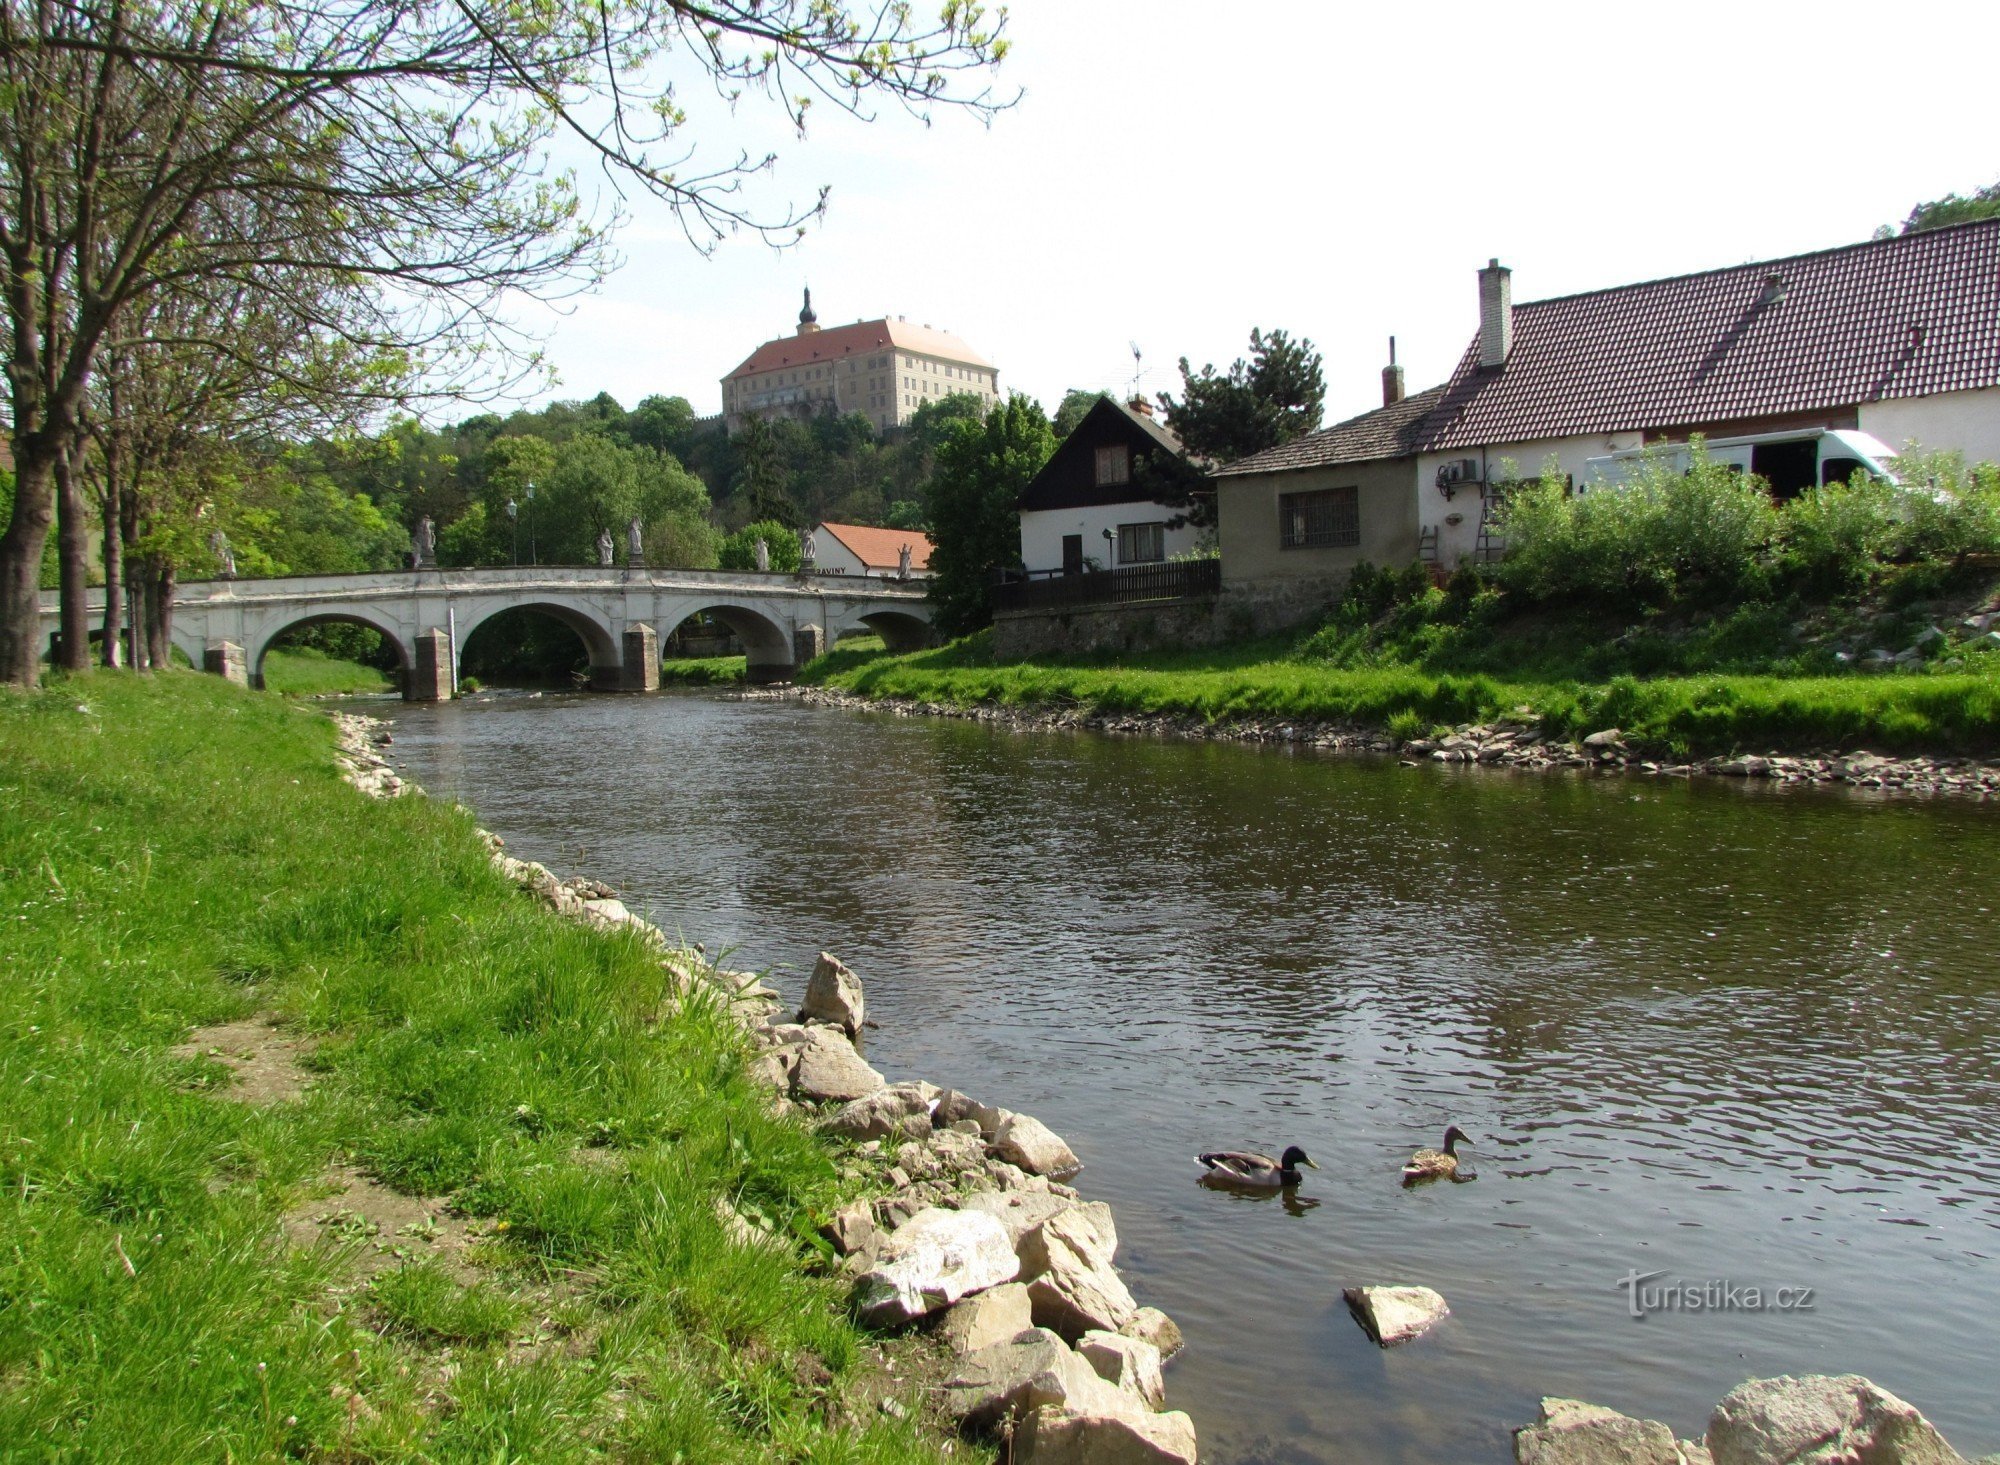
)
(1966, 422)
(1527, 460)
(1042, 532)
(831, 557)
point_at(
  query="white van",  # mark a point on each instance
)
(1791, 462)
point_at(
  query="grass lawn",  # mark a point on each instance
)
(478, 1216)
(702, 671)
(309, 673)
(1410, 693)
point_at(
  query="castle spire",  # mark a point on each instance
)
(808, 322)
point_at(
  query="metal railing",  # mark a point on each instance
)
(1171, 580)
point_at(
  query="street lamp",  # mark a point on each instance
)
(533, 557)
(514, 519)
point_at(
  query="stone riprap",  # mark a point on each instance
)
(1814, 1419)
(1500, 744)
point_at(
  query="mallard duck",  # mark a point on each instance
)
(1241, 1167)
(1436, 1164)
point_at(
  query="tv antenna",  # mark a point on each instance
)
(1137, 369)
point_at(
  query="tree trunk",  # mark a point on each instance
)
(73, 540)
(160, 621)
(141, 612)
(114, 575)
(21, 566)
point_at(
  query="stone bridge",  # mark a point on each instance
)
(619, 613)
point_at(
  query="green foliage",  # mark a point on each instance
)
(1273, 397)
(590, 1125)
(1665, 536)
(739, 550)
(975, 526)
(1984, 203)
(1074, 407)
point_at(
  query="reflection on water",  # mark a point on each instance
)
(1713, 1031)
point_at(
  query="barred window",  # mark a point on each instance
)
(1329, 518)
(1142, 544)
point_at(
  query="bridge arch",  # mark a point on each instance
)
(593, 627)
(767, 640)
(276, 625)
(900, 630)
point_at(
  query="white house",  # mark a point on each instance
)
(856, 549)
(1089, 507)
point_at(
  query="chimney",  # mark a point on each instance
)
(1392, 378)
(1496, 315)
(1140, 405)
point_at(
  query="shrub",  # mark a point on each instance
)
(1666, 536)
(1836, 538)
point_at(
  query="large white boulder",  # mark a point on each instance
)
(932, 1260)
(1020, 1211)
(1571, 1432)
(899, 1110)
(1032, 1370)
(1817, 1419)
(1025, 1141)
(1069, 1436)
(1396, 1314)
(997, 1315)
(828, 1068)
(833, 994)
(1130, 1363)
(1071, 1281)
(1150, 1325)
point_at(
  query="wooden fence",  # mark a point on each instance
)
(1171, 580)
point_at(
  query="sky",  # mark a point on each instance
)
(1177, 172)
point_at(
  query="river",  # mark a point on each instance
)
(1720, 1032)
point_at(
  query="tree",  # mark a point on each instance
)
(781, 542)
(1275, 396)
(393, 143)
(975, 521)
(1076, 404)
(1952, 209)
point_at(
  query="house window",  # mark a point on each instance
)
(1329, 518)
(1142, 544)
(1114, 464)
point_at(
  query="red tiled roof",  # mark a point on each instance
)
(880, 549)
(1387, 432)
(1901, 317)
(835, 343)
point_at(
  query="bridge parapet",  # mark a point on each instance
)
(620, 612)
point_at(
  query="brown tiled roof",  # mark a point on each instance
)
(835, 343)
(1387, 432)
(879, 549)
(1901, 317)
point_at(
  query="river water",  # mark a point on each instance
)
(1718, 1032)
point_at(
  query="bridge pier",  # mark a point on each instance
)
(429, 678)
(226, 660)
(808, 641)
(641, 672)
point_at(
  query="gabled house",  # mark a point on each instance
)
(856, 549)
(1092, 505)
(1303, 514)
(1896, 339)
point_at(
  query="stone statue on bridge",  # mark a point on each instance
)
(225, 557)
(808, 552)
(604, 550)
(635, 550)
(763, 557)
(903, 563)
(426, 551)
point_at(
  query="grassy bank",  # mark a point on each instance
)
(310, 673)
(702, 671)
(1685, 714)
(488, 1224)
